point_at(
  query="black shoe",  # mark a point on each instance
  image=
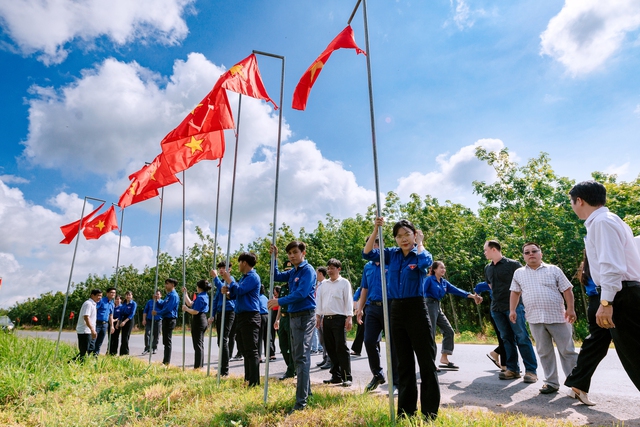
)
(154, 351)
(346, 383)
(333, 380)
(374, 383)
(285, 376)
(296, 408)
(145, 352)
(327, 365)
(353, 353)
(322, 362)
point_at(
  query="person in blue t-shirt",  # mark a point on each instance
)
(246, 294)
(226, 337)
(129, 308)
(437, 287)
(150, 322)
(104, 320)
(264, 324)
(115, 335)
(198, 308)
(409, 318)
(168, 310)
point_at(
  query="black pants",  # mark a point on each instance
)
(272, 344)
(168, 325)
(284, 338)
(373, 331)
(356, 347)
(114, 341)
(198, 327)
(229, 319)
(83, 346)
(262, 336)
(500, 348)
(335, 341)
(411, 333)
(594, 348)
(232, 338)
(249, 329)
(151, 339)
(625, 334)
(125, 333)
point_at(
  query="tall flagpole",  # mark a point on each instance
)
(212, 310)
(233, 190)
(385, 305)
(117, 268)
(274, 225)
(184, 265)
(73, 260)
(155, 286)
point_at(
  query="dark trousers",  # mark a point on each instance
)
(151, 339)
(356, 347)
(500, 348)
(168, 325)
(114, 342)
(102, 328)
(249, 329)
(625, 334)
(229, 319)
(284, 339)
(84, 340)
(262, 337)
(198, 327)
(125, 333)
(272, 344)
(232, 338)
(374, 325)
(411, 332)
(594, 348)
(335, 340)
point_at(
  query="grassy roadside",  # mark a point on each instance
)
(36, 390)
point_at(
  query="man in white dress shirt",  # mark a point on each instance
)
(86, 327)
(614, 264)
(542, 287)
(334, 311)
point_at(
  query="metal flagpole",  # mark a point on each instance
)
(184, 265)
(275, 212)
(233, 190)
(117, 267)
(73, 260)
(385, 305)
(212, 310)
(155, 286)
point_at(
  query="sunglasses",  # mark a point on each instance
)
(535, 251)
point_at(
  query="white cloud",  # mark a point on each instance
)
(619, 170)
(464, 16)
(31, 259)
(50, 26)
(12, 179)
(454, 177)
(587, 32)
(637, 110)
(114, 116)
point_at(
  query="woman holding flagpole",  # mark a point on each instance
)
(198, 308)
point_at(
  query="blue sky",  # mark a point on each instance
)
(90, 89)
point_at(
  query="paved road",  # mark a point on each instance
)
(476, 384)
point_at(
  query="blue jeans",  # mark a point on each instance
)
(516, 337)
(101, 331)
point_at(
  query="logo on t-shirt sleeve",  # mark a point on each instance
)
(413, 266)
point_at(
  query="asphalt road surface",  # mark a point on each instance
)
(474, 385)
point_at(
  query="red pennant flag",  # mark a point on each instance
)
(344, 40)
(146, 181)
(101, 225)
(244, 78)
(70, 231)
(184, 153)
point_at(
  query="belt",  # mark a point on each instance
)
(378, 303)
(630, 284)
(335, 316)
(101, 322)
(411, 300)
(283, 314)
(302, 313)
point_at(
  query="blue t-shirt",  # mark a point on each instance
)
(201, 303)
(263, 304)
(246, 292)
(168, 308)
(104, 308)
(437, 290)
(302, 287)
(407, 274)
(128, 310)
(372, 281)
(148, 308)
(217, 300)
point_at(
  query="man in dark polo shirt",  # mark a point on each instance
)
(499, 274)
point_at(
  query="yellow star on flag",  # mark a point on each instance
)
(193, 111)
(317, 66)
(152, 173)
(237, 69)
(132, 189)
(100, 225)
(195, 144)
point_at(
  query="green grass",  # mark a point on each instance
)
(36, 390)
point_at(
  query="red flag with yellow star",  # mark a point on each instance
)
(101, 225)
(344, 40)
(70, 231)
(245, 78)
(145, 182)
(184, 153)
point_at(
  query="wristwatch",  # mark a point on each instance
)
(606, 303)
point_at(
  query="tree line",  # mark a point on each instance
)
(527, 202)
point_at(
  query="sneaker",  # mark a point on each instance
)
(145, 352)
(548, 389)
(333, 380)
(374, 383)
(509, 375)
(530, 378)
(346, 383)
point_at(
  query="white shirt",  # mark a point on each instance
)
(541, 292)
(612, 252)
(335, 297)
(88, 309)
